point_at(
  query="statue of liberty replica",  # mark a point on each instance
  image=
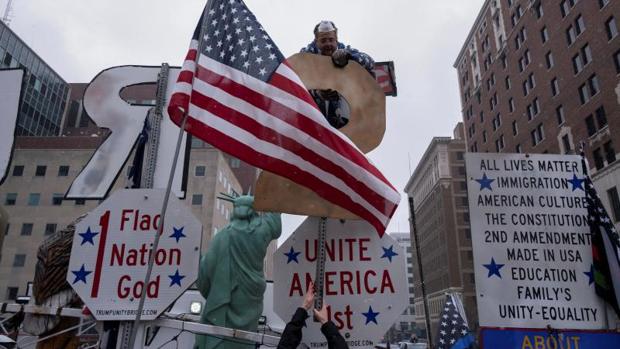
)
(231, 272)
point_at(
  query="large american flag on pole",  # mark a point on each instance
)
(605, 246)
(242, 97)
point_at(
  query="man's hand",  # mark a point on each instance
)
(309, 298)
(321, 315)
(340, 58)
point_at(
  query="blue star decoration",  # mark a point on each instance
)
(292, 256)
(176, 278)
(371, 316)
(389, 253)
(590, 275)
(494, 268)
(88, 237)
(576, 182)
(178, 234)
(485, 182)
(80, 275)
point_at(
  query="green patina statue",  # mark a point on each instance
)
(231, 272)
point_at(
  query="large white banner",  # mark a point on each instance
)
(531, 241)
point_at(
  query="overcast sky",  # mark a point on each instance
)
(79, 38)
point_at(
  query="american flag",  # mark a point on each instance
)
(453, 331)
(605, 247)
(243, 98)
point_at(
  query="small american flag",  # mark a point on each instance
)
(453, 331)
(246, 101)
(605, 247)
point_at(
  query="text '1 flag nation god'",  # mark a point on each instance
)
(242, 97)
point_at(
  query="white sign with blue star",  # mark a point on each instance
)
(531, 242)
(111, 250)
(365, 280)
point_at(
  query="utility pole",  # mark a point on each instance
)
(6, 18)
(414, 230)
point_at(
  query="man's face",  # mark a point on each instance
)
(327, 42)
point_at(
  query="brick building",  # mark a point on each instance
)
(544, 77)
(438, 187)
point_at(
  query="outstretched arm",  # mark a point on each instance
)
(291, 337)
(330, 331)
(362, 58)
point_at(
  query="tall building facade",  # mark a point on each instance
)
(42, 170)
(44, 94)
(438, 187)
(544, 77)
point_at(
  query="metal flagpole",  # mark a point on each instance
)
(319, 278)
(414, 230)
(149, 270)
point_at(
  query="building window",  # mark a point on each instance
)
(533, 109)
(484, 136)
(40, 171)
(610, 153)
(518, 148)
(200, 171)
(590, 125)
(586, 54)
(19, 260)
(18, 171)
(593, 84)
(555, 88)
(27, 229)
(580, 25)
(515, 129)
(549, 60)
(617, 61)
(539, 10)
(63, 171)
(50, 228)
(601, 117)
(544, 35)
(507, 82)
(497, 122)
(570, 35)
(499, 143)
(614, 201)
(598, 158)
(577, 64)
(197, 199)
(33, 199)
(612, 28)
(11, 293)
(589, 89)
(584, 94)
(602, 3)
(565, 7)
(559, 113)
(511, 105)
(538, 135)
(11, 199)
(566, 144)
(57, 199)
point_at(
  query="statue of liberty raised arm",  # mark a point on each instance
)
(231, 272)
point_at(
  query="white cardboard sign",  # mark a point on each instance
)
(530, 235)
(111, 250)
(365, 280)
